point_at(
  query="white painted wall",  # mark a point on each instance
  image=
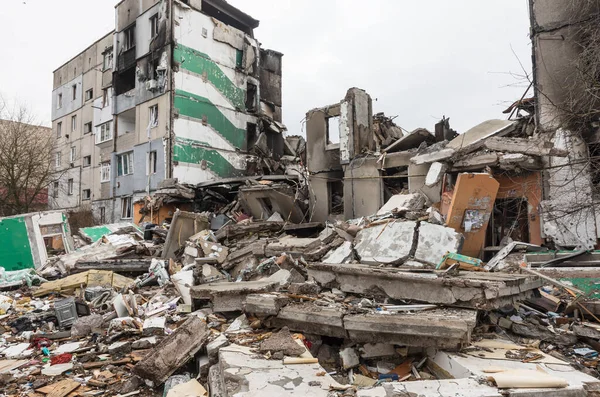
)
(68, 104)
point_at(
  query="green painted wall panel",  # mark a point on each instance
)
(15, 250)
(96, 233)
(197, 107)
(193, 152)
(591, 286)
(200, 63)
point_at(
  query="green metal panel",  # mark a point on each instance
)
(591, 286)
(96, 233)
(15, 250)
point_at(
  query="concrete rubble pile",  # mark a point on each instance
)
(221, 304)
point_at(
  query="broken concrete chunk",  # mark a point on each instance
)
(388, 243)
(349, 358)
(266, 304)
(435, 241)
(343, 254)
(212, 348)
(144, 343)
(84, 326)
(119, 348)
(435, 174)
(174, 351)
(229, 297)
(403, 202)
(377, 350)
(154, 326)
(309, 288)
(292, 245)
(283, 342)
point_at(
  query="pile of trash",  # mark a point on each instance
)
(218, 305)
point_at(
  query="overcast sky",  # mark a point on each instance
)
(418, 59)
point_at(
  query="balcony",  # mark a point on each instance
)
(126, 59)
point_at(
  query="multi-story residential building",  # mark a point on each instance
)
(180, 89)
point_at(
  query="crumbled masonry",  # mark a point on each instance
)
(250, 263)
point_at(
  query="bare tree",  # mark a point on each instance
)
(26, 150)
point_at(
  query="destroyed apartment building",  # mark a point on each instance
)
(364, 261)
(180, 89)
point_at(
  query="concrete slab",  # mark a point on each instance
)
(439, 155)
(438, 388)
(476, 136)
(468, 289)
(469, 366)
(435, 241)
(441, 328)
(229, 297)
(292, 245)
(388, 243)
(406, 202)
(244, 374)
(342, 254)
(311, 319)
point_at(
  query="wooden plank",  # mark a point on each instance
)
(99, 364)
(62, 388)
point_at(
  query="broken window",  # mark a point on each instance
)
(154, 26)
(55, 188)
(108, 60)
(105, 97)
(395, 181)
(74, 91)
(151, 163)
(73, 154)
(59, 129)
(127, 207)
(89, 94)
(153, 122)
(335, 193)
(125, 81)
(59, 101)
(129, 38)
(104, 132)
(251, 97)
(251, 135)
(105, 172)
(87, 128)
(267, 207)
(87, 161)
(125, 164)
(333, 130)
(86, 194)
(509, 221)
(70, 187)
(102, 215)
(57, 159)
(74, 123)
